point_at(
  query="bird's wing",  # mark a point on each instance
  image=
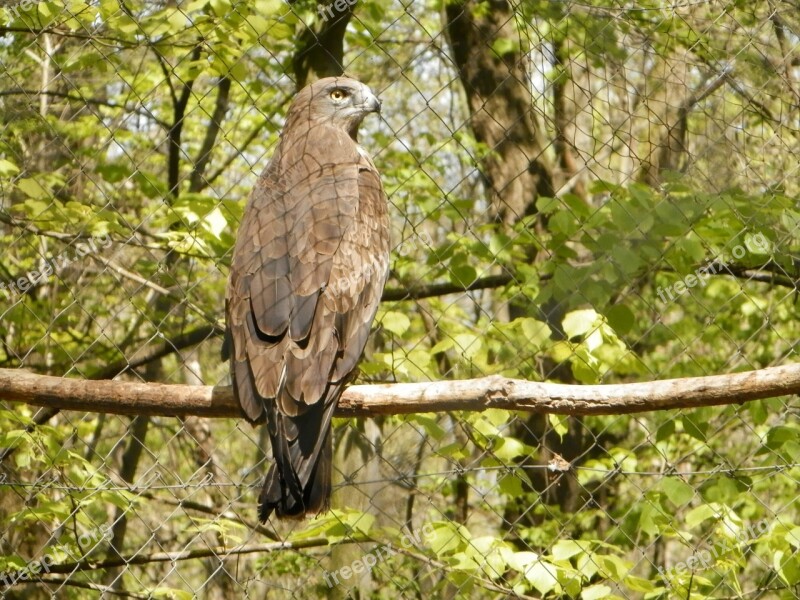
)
(360, 270)
(310, 262)
(309, 266)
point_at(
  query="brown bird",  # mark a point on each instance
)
(309, 265)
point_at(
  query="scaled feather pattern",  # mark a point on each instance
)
(309, 265)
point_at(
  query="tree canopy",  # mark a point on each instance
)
(581, 192)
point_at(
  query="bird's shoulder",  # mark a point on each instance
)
(312, 147)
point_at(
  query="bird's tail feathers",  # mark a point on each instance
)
(299, 481)
(276, 497)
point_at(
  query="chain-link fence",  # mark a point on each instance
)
(581, 192)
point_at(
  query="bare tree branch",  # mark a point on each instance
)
(223, 552)
(417, 292)
(220, 110)
(156, 399)
(165, 348)
(93, 565)
(85, 585)
(139, 110)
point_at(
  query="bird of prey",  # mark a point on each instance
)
(309, 265)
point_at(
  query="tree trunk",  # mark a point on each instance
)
(320, 48)
(491, 61)
(492, 68)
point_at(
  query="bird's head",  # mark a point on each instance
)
(342, 101)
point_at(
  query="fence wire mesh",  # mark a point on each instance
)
(581, 192)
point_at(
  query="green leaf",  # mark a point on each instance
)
(793, 537)
(547, 205)
(468, 344)
(281, 31)
(22, 458)
(47, 10)
(446, 538)
(337, 525)
(788, 569)
(677, 491)
(637, 584)
(670, 220)
(595, 592)
(510, 448)
(7, 168)
(758, 244)
(496, 416)
(780, 435)
(580, 322)
(121, 499)
(170, 594)
(431, 427)
(396, 322)
(542, 576)
(462, 274)
(564, 223)
(615, 567)
(268, 7)
(583, 371)
(694, 427)
(566, 549)
(621, 318)
(559, 423)
(33, 189)
(442, 346)
(510, 485)
(503, 46)
(259, 24)
(626, 259)
(649, 518)
(177, 20)
(519, 561)
(665, 430)
(536, 332)
(700, 514)
(758, 411)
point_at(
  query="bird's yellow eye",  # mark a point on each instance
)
(338, 94)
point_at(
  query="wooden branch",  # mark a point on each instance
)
(156, 399)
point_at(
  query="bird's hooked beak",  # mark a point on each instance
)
(371, 103)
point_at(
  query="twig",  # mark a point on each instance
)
(218, 552)
(78, 98)
(87, 585)
(442, 289)
(203, 157)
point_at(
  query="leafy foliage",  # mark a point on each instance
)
(147, 123)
